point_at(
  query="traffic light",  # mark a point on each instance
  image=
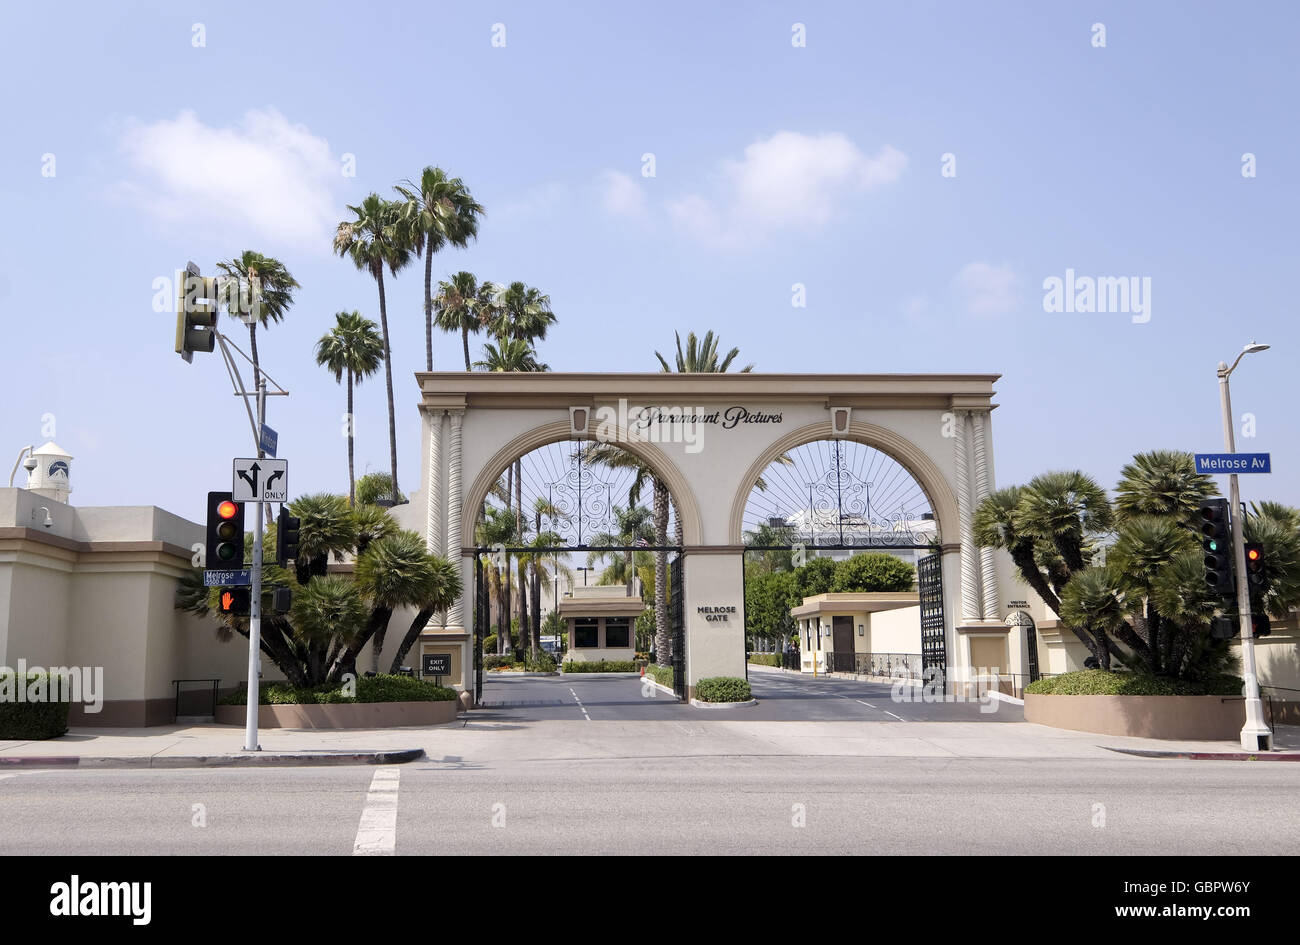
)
(1255, 565)
(1224, 628)
(196, 313)
(286, 539)
(282, 600)
(1216, 539)
(225, 548)
(235, 601)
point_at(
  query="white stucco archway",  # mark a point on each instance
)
(937, 426)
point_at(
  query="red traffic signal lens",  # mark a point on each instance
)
(1253, 554)
(227, 509)
(227, 601)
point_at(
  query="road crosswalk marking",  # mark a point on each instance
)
(377, 832)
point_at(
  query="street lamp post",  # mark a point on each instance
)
(1255, 734)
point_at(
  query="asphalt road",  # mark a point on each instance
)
(692, 805)
(782, 697)
(590, 766)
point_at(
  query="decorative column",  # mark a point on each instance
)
(433, 537)
(456, 615)
(988, 567)
(970, 601)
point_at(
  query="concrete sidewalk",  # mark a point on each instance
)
(212, 745)
(485, 737)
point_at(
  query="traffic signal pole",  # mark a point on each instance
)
(1255, 734)
(255, 611)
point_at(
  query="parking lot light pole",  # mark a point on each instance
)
(1255, 734)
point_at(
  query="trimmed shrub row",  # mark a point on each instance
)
(723, 689)
(28, 721)
(1098, 682)
(369, 689)
(601, 666)
(545, 663)
(766, 659)
(663, 675)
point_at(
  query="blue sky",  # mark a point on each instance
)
(774, 165)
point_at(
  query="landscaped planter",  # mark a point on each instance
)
(1199, 718)
(344, 714)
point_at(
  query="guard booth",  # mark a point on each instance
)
(600, 623)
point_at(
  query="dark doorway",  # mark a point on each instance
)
(842, 641)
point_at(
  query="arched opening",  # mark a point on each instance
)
(577, 554)
(842, 562)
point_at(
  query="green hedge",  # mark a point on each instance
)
(766, 659)
(1097, 682)
(498, 662)
(28, 721)
(601, 666)
(490, 643)
(663, 675)
(369, 689)
(723, 689)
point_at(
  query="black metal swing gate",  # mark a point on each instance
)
(676, 601)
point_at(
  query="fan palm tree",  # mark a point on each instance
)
(438, 210)
(1162, 482)
(264, 288)
(700, 356)
(498, 527)
(459, 306)
(520, 312)
(396, 571)
(352, 347)
(633, 523)
(373, 239)
(510, 354)
(1063, 510)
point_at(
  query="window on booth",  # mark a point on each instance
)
(586, 632)
(618, 631)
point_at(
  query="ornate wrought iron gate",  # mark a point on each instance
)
(481, 617)
(677, 617)
(929, 579)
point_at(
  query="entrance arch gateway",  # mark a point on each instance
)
(708, 438)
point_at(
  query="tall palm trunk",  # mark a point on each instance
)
(428, 305)
(352, 473)
(464, 340)
(388, 380)
(663, 640)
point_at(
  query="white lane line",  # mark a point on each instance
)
(581, 706)
(377, 832)
(887, 712)
(867, 704)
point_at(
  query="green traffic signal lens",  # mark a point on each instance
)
(226, 552)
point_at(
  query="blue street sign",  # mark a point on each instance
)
(1220, 463)
(270, 439)
(242, 578)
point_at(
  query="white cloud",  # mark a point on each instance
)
(986, 289)
(263, 178)
(789, 180)
(621, 195)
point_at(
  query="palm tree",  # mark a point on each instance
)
(439, 210)
(373, 239)
(268, 288)
(498, 527)
(633, 523)
(701, 356)
(396, 571)
(355, 348)
(510, 354)
(1162, 482)
(520, 312)
(459, 306)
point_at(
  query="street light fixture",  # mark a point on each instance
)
(1255, 734)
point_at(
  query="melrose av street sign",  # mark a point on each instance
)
(1220, 463)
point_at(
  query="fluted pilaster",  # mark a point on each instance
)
(983, 485)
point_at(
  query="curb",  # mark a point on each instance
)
(249, 760)
(1207, 755)
(490, 673)
(722, 705)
